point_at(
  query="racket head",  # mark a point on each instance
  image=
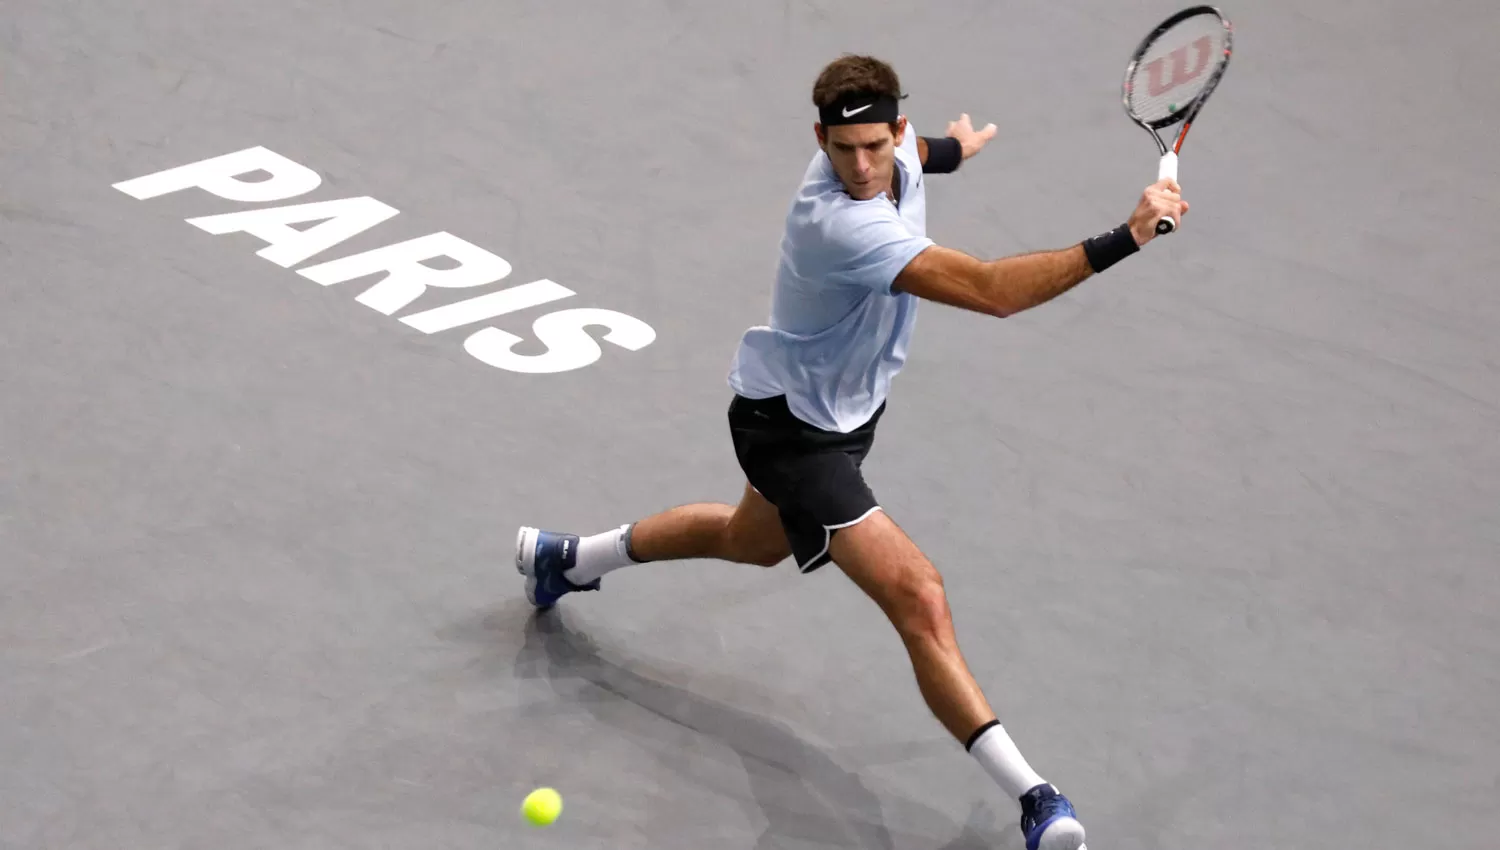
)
(1176, 67)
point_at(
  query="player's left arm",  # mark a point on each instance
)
(941, 156)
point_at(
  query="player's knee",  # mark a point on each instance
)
(768, 558)
(753, 534)
(922, 610)
(763, 554)
(761, 549)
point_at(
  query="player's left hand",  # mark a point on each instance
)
(969, 139)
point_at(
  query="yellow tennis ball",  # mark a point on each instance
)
(542, 806)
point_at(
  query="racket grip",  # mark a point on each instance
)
(1167, 170)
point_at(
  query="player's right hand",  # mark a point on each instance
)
(969, 139)
(1161, 199)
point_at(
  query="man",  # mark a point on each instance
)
(810, 387)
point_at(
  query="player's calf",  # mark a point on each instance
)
(749, 533)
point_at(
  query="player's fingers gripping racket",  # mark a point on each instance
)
(1169, 77)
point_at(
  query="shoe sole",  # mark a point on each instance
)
(526, 550)
(526, 560)
(1065, 833)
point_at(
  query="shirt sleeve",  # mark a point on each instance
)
(868, 245)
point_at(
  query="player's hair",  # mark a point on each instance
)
(852, 73)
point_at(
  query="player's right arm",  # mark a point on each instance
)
(1012, 284)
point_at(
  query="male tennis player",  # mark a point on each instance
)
(810, 387)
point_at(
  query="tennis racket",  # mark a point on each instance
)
(1170, 76)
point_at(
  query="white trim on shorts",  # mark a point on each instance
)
(828, 531)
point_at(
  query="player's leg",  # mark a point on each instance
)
(747, 533)
(884, 562)
(557, 563)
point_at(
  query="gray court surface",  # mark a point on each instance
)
(1219, 527)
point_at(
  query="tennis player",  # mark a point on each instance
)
(810, 387)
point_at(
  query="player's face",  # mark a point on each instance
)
(863, 155)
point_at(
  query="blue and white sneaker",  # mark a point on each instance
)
(1048, 820)
(542, 557)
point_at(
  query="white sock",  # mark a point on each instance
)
(599, 554)
(1000, 758)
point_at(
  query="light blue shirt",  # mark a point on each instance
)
(837, 335)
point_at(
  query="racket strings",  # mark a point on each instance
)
(1176, 68)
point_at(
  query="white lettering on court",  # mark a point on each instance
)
(220, 176)
(403, 268)
(487, 306)
(407, 276)
(289, 246)
(569, 345)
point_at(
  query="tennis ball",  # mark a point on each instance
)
(541, 807)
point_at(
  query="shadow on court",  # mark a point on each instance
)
(801, 791)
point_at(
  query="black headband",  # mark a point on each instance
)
(860, 108)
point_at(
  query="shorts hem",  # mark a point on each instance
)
(821, 558)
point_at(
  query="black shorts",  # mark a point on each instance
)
(812, 476)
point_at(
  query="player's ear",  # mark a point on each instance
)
(900, 129)
(818, 131)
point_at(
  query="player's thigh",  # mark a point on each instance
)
(885, 563)
(756, 532)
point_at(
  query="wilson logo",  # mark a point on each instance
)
(1157, 81)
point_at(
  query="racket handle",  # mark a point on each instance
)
(1167, 171)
